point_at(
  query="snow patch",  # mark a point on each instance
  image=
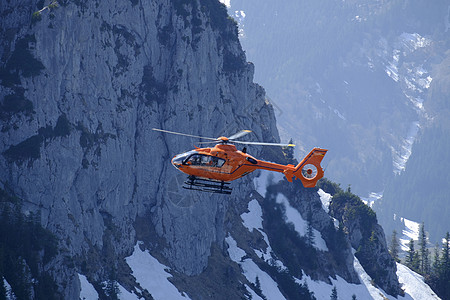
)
(88, 291)
(401, 157)
(413, 79)
(253, 220)
(152, 275)
(250, 270)
(264, 179)
(372, 198)
(374, 292)
(411, 231)
(239, 16)
(413, 41)
(235, 253)
(416, 101)
(325, 198)
(227, 3)
(345, 290)
(300, 225)
(126, 295)
(413, 284)
(392, 67)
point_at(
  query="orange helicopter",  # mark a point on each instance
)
(212, 169)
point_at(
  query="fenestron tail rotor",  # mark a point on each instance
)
(309, 171)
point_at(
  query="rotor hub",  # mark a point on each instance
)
(223, 139)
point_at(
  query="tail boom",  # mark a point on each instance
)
(309, 170)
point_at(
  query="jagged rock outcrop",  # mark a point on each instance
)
(367, 238)
(338, 260)
(83, 84)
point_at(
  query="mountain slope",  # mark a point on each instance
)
(82, 86)
(421, 191)
(359, 78)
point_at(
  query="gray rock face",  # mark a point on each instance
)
(339, 259)
(76, 139)
(82, 84)
(368, 239)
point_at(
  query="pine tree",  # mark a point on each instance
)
(427, 263)
(333, 293)
(257, 283)
(436, 261)
(423, 264)
(444, 270)
(410, 254)
(445, 257)
(416, 262)
(394, 246)
(440, 277)
(353, 297)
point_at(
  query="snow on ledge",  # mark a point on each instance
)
(411, 231)
(152, 275)
(253, 220)
(87, 291)
(227, 3)
(264, 179)
(325, 198)
(300, 225)
(251, 270)
(413, 284)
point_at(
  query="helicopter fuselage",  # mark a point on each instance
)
(225, 163)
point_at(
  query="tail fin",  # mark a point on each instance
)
(309, 170)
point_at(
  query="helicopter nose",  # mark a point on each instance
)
(176, 165)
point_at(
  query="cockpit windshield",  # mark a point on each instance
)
(180, 158)
(196, 159)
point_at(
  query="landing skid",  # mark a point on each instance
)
(207, 185)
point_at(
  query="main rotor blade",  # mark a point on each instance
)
(184, 134)
(239, 134)
(264, 144)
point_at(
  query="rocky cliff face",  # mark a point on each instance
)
(367, 238)
(82, 85)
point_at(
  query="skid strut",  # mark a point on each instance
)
(207, 185)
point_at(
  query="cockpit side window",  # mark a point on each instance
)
(205, 160)
(217, 162)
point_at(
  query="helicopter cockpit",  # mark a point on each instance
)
(194, 158)
(181, 158)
